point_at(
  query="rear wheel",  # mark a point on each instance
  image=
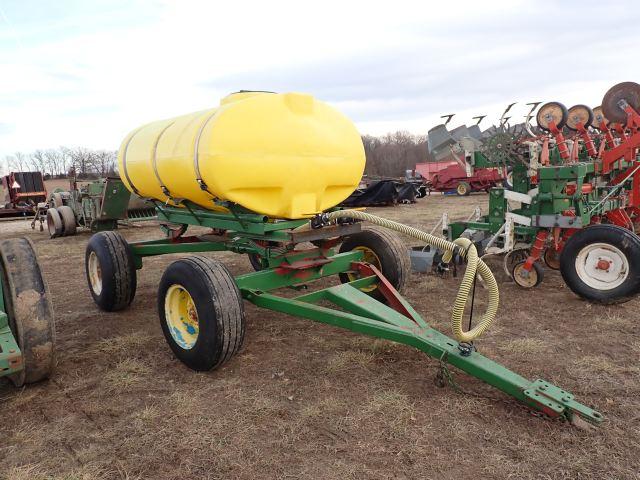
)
(110, 270)
(54, 223)
(385, 251)
(201, 312)
(68, 220)
(30, 313)
(602, 264)
(463, 189)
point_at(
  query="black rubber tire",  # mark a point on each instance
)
(542, 124)
(54, 223)
(29, 309)
(68, 220)
(118, 271)
(221, 318)
(624, 240)
(393, 254)
(537, 271)
(463, 189)
(255, 261)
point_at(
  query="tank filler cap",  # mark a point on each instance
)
(299, 102)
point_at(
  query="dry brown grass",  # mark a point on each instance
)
(304, 400)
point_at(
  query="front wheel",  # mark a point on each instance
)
(385, 251)
(201, 312)
(602, 264)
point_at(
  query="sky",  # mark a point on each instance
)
(84, 73)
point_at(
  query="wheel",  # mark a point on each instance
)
(579, 114)
(463, 189)
(54, 223)
(256, 260)
(627, 91)
(201, 312)
(602, 264)
(385, 251)
(68, 220)
(552, 112)
(525, 279)
(56, 200)
(598, 118)
(110, 270)
(30, 314)
(552, 258)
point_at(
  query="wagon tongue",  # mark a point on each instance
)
(555, 402)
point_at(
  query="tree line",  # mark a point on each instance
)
(392, 154)
(389, 155)
(59, 162)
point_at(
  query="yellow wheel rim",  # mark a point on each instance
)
(181, 316)
(461, 189)
(95, 273)
(369, 257)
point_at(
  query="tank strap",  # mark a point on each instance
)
(163, 187)
(124, 162)
(196, 159)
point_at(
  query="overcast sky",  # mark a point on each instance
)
(84, 73)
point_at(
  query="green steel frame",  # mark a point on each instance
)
(10, 354)
(355, 310)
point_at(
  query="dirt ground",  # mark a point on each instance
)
(312, 401)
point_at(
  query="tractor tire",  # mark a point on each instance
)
(201, 312)
(68, 221)
(463, 189)
(30, 313)
(385, 251)
(56, 200)
(54, 223)
(602, 264)
(111, 271)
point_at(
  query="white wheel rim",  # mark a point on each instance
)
(181, 316)
(95, 273)
(602, 266)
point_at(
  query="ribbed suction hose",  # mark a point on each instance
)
(466, 249)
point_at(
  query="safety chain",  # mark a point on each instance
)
(444, 377)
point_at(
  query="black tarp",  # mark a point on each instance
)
(407, 192)
(380, 193)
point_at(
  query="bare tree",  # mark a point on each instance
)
(394, 153)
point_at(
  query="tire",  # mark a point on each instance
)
(463, 189)
(68, 220)
(30, 313)
(213, 298)
(255, 261)
(56, 200)
(110, 271)
(580, 264)
(535, 277)
(54, 223)
(390, 256)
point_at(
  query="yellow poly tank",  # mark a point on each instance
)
(282, 155)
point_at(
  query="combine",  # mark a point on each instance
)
(261, 175)
(575, 198)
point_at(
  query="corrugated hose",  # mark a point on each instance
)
(464, 247)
